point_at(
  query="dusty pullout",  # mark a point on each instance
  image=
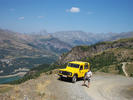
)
(103, 87)
(48, 87)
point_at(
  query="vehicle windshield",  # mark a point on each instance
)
(73, 65)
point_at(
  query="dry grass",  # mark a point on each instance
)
(129, 69)
(12, 97)
(16, 88)
(40, 88)
(5, 88)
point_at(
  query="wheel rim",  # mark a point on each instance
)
(74, 78)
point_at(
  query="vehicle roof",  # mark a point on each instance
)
(78, 62)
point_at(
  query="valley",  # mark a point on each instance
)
(26, 51)
(66, 50)
(110, 62)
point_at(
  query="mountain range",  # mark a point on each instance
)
(86, 38)
(19, 50)
(79, 37)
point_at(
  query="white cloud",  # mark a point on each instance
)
(40, 16)
(21, 18)
(73, 10)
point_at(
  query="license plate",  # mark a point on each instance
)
(64, 75)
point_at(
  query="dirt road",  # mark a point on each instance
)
(124, 69)
(111, 87)
(103, 87)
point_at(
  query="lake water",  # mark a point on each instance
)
(9, 79)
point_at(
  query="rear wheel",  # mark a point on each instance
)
(74, 78)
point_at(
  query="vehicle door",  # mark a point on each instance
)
(81, 71)
(86, 68)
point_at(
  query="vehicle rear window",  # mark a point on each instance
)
(73, 65)
(86, 66)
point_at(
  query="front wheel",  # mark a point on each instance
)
(74, 78)
(60, 78)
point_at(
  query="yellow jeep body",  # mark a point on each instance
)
(77, 68)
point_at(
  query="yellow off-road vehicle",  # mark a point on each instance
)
(74, 70)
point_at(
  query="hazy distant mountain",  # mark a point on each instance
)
(42, 32)
(120, 36)
(75, 37)
(80, 38)
(86, 38)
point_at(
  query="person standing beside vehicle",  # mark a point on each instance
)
(88, 76)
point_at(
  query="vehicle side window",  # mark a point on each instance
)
(81, 67)
(86, 66)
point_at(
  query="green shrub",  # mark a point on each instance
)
(120, 69)
(131, 74)
(105, 69)
(99, 61)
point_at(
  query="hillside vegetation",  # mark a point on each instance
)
(104, 56)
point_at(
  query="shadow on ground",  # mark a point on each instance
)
(69, 79)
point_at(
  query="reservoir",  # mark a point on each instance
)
(8, 79)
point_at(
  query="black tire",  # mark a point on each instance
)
(60, 78)
(74, 78)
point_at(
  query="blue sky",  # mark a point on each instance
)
(60, 15)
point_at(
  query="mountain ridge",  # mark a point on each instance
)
(18, 50)
(88, 38)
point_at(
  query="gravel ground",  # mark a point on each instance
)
(48, 87)
(66, 90)
(103, 87)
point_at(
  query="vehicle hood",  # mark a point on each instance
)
(70, 69)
